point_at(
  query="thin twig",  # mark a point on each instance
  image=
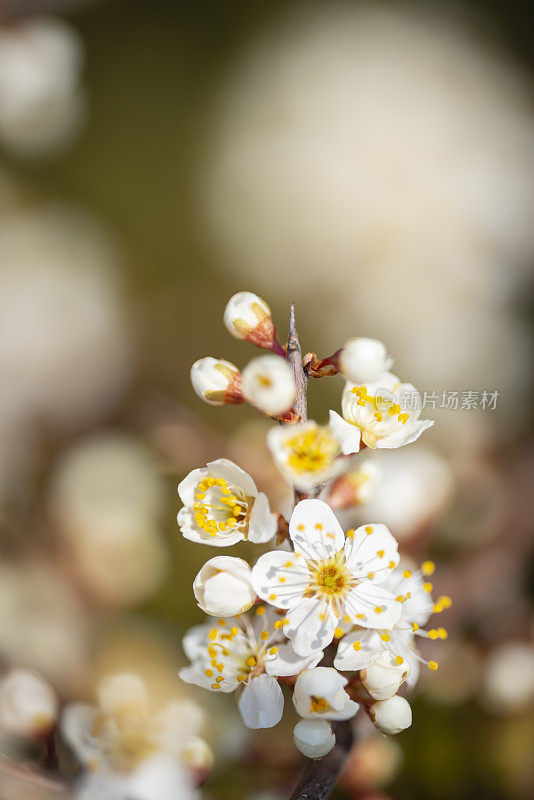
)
(320, 776)
(294, 357)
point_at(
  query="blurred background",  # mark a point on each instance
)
(373, 162)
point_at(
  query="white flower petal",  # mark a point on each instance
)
(288, 662)
(159, 777)
(281, 578)
(372, 552)
(310, 626)
(191, 531)
(187, 488)
(233, 475)
(262, 703)
(369, 646)
(349, 435)
(77, 725)
(325, 684)
(371, 606)
(401, 437)
(262, 524)
(315, 531)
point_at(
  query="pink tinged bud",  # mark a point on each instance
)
(216, 381)
(248, 317)
(28, 704)
(391, 716)
(197, 757)
(314, 737)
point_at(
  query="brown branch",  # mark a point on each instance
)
(294, 357)
(320, 776)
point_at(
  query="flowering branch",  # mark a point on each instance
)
(336, 610)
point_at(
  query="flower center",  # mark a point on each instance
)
(318, 705)
(128, 736)
(237, 654)
(330, 578)
(312, 451)
(219, 507)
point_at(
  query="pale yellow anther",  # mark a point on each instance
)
(407, 573)
(338, 633)
(251, 662)
(427, 587)
(260, 611)
(357, 646)
(273, 651)
(264, 635)
(385, 637)
(432, 665)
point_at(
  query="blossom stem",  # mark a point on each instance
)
(294, 357)
(320, 776)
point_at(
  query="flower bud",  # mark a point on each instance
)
(222, 588)
(248, 317)
(197, 756)
(392, 715)
(268, 384)
(28, 704)
(314, 737)
(364, 360)
(355, 488)
(216, 381)
(383, 677)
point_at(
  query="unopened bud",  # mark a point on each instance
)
(222, 588)
(268, 384)
(216, 381)
(248, 317)
(28, 704)
(355, 488)
(391, 716)
(364, 360)
(197, 756)
(383, 677)
(314, 737)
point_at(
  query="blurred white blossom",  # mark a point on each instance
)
(366, 154)
(42, 103)
(107, 496)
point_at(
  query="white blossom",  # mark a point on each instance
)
(375, 409)
(391, 716)
(357, 487)
(222, 506)
(248, 317)
(42, 105)
(28, 704)
(246, 654)
(361, 647)
(268, 384)
(364, 360)
(384, 676)
(127, 750)
(216, 381)
(329, 578)
(314, 737)
(308, 454)
(223, 587)
(319, 694)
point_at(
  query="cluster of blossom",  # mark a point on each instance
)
(329, 613)
(122, 747)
